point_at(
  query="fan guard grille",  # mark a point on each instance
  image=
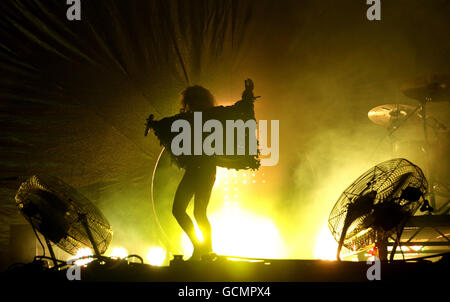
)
(388, 180)
(53, 208)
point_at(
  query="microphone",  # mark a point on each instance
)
(149, 124)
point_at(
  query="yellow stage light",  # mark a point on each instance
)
(156, 256)
(119, 253)
(83, 252)
(326, 246)
(237, 232)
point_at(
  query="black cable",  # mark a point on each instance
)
(134, 256)
(49, 258)
(14, 265)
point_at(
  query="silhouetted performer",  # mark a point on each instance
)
(197, 181)
(200, 170)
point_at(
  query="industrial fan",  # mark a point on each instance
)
(377, 205)
(63, 216)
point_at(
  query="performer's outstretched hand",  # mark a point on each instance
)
(247, 95)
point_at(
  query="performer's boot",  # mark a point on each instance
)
(208, 247)
(200, 250)
(197, 253)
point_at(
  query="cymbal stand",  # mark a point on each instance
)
(426, 148)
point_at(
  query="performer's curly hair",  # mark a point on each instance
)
(196, 98)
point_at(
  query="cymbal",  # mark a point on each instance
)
(433, 88)
(390, 114)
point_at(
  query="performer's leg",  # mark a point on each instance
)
(183, 196)
(201, 201)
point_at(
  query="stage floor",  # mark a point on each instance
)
(224, 270)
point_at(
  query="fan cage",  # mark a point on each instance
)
(388, 179)
(63, 212)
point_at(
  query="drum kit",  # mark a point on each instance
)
(430, 147)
